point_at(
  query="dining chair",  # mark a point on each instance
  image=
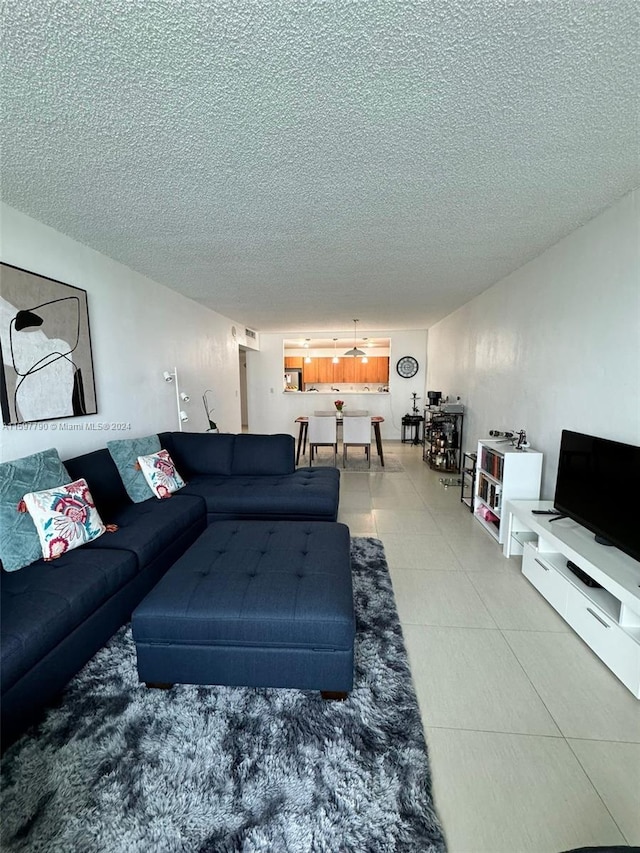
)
(323, 432)
(356, 432)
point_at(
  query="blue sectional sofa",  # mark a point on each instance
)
(56, 615)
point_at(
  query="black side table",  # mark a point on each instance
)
(468, 482)
(412, 429)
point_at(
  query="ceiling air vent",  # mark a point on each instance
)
(250, 333)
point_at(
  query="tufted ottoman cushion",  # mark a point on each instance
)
(253, 603)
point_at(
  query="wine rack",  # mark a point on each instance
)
(442, 440)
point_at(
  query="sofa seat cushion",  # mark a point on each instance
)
(306, 494)
(45, 602)
(257, 584)
(147, 528)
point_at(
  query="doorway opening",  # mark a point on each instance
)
(244, 417)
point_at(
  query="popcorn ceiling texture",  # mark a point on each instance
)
(290, 163)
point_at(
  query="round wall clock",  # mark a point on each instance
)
(407, 366)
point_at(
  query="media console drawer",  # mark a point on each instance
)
(605, 637)
(544, 577)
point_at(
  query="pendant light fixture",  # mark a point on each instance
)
(335, 359)
(355, 351)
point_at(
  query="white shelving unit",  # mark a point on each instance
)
(503, 473)
(607, 617)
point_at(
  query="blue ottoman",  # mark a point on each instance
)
(256, 604)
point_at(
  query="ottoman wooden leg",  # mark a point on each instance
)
(334, 695)
(159, 685)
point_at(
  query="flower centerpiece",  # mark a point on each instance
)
(338, 404)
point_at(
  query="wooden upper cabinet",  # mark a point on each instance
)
(374, 372)
(348, 368)
(311, 371)
(348, 371)
(292, 361)
(362, 371)
(380, 370)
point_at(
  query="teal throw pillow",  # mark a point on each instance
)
(125, 454)
(19, 542)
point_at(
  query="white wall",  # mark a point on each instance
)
(555, 345)
(271, 410)
(138, 330)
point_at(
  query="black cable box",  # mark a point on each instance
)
(584, 577)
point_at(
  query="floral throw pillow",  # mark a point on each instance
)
(65, 517)
(160, 473)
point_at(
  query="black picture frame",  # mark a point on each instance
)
(47, 361)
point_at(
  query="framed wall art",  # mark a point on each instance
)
(47, 365)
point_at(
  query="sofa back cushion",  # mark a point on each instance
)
(103, 479)
(263, 455)
(19, 543)
(230, 455)
(125, 452)
(199, 453)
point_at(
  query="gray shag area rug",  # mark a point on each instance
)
(118, 767)
(355, 462)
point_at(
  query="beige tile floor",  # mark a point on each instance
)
(534, 745)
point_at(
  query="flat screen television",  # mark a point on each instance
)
(598, 486)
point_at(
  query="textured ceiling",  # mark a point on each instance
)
(295, 164)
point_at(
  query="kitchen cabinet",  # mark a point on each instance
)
(348, 371)
(319, 371)
(293, 362)
(326, 371)
(310, 372)
(379, 370)
(353, 371)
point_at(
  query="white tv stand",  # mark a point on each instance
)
(607, 618)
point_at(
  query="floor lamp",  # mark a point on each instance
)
(181, 397)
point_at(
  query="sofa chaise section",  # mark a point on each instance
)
(252, 477)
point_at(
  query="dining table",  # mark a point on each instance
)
(303, 420)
